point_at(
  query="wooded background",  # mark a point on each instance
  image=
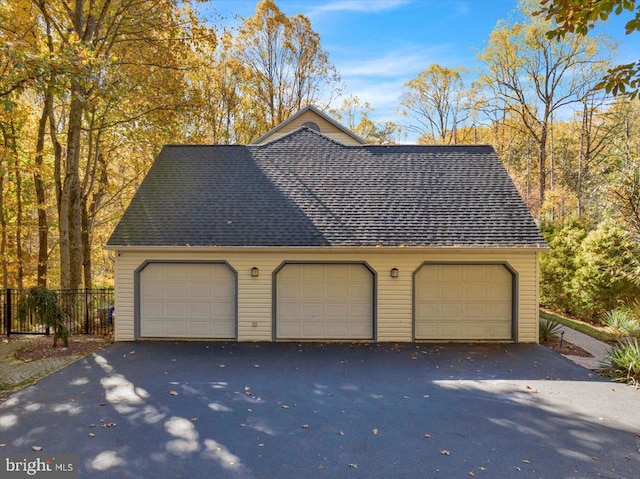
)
(90, 91)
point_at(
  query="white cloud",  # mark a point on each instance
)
(365, 6)
(394, 64)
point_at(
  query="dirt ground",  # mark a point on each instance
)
(42, 347)
(567, 348)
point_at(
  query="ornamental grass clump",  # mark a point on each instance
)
(622, 322)
(549, 330)
(44, 305)
(623, 362)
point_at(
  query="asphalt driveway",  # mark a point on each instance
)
(218, 410)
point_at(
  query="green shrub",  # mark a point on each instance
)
(602, 281)
(558, 266)
(44, 304)
(548, 330)
(623, 362)
(622, 321)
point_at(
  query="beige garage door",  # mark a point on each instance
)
(463, 302)
(183, 300)
(324, 301)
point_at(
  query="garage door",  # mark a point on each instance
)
(324, 301)
(182, 300)
(463, 302)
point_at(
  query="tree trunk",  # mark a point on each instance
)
(542, 164)
(19, 213)
(3, 234)
(86, 248)
(70, 204)
(43, 227)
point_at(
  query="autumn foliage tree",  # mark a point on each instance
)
(578, 16)
(437, 104)
(285, 66)
(532, 77)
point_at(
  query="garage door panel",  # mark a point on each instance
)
(312, 329)
(463, 302)
(201, 310)
(337, 311)
(449, 273)
(450, 311)
(338, 273)
(153, 289)
(451, 291)
(288, 290)
(337, 330)
(188, 300)
(474, 311)
(499, 311)
(313, 290)
(475, 291)
(176, 309)
(288, 310)
(174, 271)
(173, 289)
(334, 301)
(154, 328)
(200, 290)
(426, 294)
(312, 310)
(312, 275)
(498, 291)
(338, 291)
(474, 275)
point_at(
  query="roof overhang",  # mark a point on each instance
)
(334, 249)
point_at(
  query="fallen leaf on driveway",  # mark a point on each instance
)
(444, 452)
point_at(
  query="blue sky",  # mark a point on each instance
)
(378, 45)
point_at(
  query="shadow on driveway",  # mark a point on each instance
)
(247, 410)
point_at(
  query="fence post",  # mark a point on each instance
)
(8, 312)
(86, 311)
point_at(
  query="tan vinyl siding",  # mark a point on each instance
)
(394, 302)
(326, 128)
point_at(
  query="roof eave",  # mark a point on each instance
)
(325, 249)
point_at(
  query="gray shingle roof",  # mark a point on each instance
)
(307, 190)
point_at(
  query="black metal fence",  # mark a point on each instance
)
(87, 311)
